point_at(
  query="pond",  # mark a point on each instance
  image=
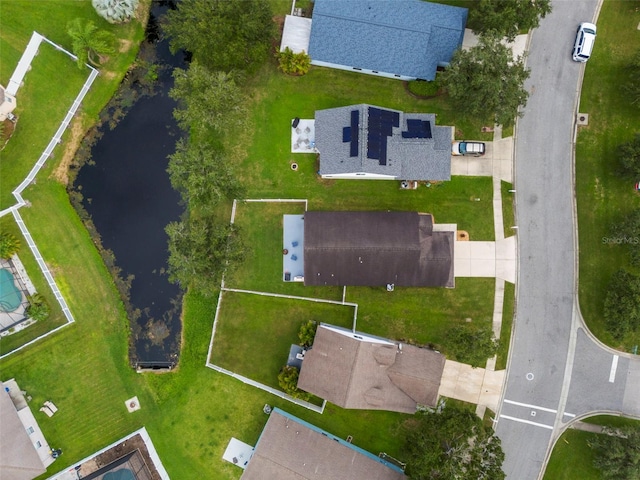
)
(127, 192)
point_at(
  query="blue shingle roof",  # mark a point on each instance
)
(401, 37)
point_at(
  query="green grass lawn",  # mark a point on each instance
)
(54, 80)
(604, 198)
(573, 458)
(254, 332)
(507, 322)
(508, 215)
(424, 315)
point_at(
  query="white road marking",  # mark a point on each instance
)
(614, 367)
(529, 422)
(569, 414)
(544, 409)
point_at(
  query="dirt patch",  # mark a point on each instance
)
(61, 172)
(125, 45)
(8, 128)
(462, 236)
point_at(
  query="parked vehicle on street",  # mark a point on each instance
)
(583, 46)
(468, 148)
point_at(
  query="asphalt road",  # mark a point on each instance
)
(557, 372)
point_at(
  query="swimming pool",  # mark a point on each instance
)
(10, 295)
(124, 474)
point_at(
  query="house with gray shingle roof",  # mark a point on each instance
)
(368, 142)
(403, 39)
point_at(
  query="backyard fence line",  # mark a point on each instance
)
(56, 139)
(292, 297)
(266, 388)
(215, 323)
(43, 267)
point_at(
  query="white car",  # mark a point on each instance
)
(585, 39)
(467, 148)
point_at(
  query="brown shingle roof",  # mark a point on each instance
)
(358, 371)
(375, 249)
(289, 449)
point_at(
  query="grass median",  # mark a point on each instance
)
(603, 198)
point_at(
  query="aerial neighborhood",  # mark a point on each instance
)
(319, 239)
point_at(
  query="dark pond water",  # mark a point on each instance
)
(127, 192)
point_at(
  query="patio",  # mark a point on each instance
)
(303, 136)
(293, 248)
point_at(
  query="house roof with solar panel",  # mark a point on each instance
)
(368, 142)
(404, 39)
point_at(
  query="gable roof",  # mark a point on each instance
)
(291, 449)
(354, 370)
(401, 37)
(376, 249)
(382, 141)
(18, 457)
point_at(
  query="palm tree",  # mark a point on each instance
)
(9, 245)
(88, 42)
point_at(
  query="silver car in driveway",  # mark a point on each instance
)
(585, 38)
(475, 149)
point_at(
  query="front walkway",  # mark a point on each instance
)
(474, 385)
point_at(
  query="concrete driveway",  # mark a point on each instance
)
(497, 161)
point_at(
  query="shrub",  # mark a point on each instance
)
(9, 245)
(307, 333)
(471, 344)
(288, 381)
(38, 308)
(293, 63)
(622, 304)
(115, 11)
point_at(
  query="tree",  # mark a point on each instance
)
(202, 175)
(629, 155)
(628, 233)
(222, 34)
(452, 444)
(9, 245)
(207, 100)
(307, 333)
(632, 86)
(487, 82)
(622, 304)
(288, 381)
(293, 63)
(38, 308)
(88, 42)
(617, 456)
(200, 249)
(471, 344)
(506, 18)
(115, 11)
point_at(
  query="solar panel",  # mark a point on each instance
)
(346, 134)
(354, 132)
(417, 129)
(380, 125)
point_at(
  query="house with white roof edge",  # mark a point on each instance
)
(24, 452)
(366, 142)
(401, 39)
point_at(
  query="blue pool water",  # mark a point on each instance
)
(10, 296)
